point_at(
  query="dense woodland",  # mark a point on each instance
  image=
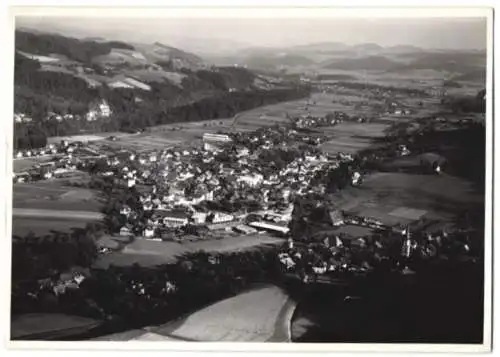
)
(72, 48)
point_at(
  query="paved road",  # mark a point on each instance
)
(46, 213)
(262, 314)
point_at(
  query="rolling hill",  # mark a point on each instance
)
(375, 63)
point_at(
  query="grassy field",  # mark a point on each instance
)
(401, 198)
(41, 226)
(20, 165)
(151, 253)
(55, 195)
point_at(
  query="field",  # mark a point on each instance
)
(150, 253)
(20, 165)
(41, 226)
(397, 198)
(54, 195)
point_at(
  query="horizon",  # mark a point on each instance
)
(224, 35)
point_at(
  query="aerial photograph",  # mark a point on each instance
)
(249, 179)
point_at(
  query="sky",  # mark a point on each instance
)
(223, 34)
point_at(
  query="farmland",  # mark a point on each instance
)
(54, 195)
(402, 198)
(21, 226)
(150, 253)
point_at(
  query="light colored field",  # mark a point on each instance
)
(20, 165)
(238, 319)
(151, 253)
(74, 138)
(47, 213)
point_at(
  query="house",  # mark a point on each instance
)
(251, 180)
(175, 218)
(336, 217)
(21, 177)
(147, 206)
(244, 229)
(125, 231)
(219, 217)
(148, 232)
(130, 182)
(125, 210)
(356, 178)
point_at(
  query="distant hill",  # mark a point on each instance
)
(158, 52)
(476, 75)
(451, 61)
(376, 63)
(273, 62)
(367, 47)
(403, 49)
(320, 47)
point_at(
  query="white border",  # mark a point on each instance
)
(404, 10)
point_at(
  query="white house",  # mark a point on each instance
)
(175, 219)
(219, 217)
(148, 232)
(130, 182)
(251, 180)
(125, 210)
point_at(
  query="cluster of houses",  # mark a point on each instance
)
(231, 176)
(66, 158)
(96, 111)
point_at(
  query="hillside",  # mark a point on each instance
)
(144, 85)
(451, 61)
(376, 63)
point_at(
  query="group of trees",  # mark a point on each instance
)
(72, 48)
(467, 104)
(136, 296)
(36, 257)
(28, 136)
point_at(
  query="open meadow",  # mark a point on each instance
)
(54, 194)
(400, 198)
(150, 253)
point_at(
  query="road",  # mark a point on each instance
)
(46, 213)
(236, 319)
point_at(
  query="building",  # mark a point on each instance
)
(101, 110)
(336, 217)
(219, 217)
(175, 218)
(214, 142)
(125, 231)
(251, 180)
(274, 227)
(148, 232)
(244, 229)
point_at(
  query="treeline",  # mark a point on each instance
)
(74, 49)
(128, 297)
(363, 85)
(130, 116)
(28, 136)
(469, 104)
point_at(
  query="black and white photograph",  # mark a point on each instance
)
(244, 176)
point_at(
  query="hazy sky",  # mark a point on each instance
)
(203, 34)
